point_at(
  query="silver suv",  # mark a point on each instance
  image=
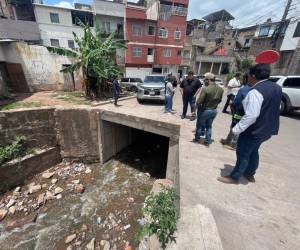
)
(130, 83)
(153, 88)
(290, 92)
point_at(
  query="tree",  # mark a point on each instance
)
(243, 65)
(95, 56)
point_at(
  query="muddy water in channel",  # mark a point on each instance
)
(106, 211)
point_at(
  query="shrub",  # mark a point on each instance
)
(14, 150)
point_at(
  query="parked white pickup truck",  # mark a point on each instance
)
(290, 92)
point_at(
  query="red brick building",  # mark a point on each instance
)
(155, 31)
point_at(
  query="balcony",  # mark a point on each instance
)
(150, 58)
(19, 30)
(215, 59)
(201, 42)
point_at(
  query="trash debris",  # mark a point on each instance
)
(127, 227)
(99, 220)
(88, 170)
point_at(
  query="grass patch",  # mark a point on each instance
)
(72, 97)
(20, 104)
(14, 150)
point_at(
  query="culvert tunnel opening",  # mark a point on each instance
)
(148, 153)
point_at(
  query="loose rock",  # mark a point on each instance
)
(84, 227)
(44, 185)
(53, 181)
(79, 188)
(48, 175)
(12, 210)
(88, 170)
(70, 238)
(91, 245)
(41, 199)
(3, 213)
(130, 199)
(10, 203)
(17, 189)
(76, 181)
(58, 190)
(49, 196)
(127, 227)
(34, 189)
(59, 196)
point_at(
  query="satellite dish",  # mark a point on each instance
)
(267, 56)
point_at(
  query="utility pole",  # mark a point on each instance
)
(281, 24)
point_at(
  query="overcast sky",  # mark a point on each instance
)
(246, 13)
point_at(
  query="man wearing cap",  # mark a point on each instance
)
(207, 104)
(260, 122)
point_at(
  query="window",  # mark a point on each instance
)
(264, 31)
(71, 44)
(54, 42)
(177, 34)
(167, 52)
(136, 52)
(297, 30)
(150, 52)
(179, 52)
(151, 30)
(106, 27)
(125, 80)
(136, 30)
(166, 70)
(186, 54)
(247, 43)
(292, 83)
(163, 33)
(54, 17)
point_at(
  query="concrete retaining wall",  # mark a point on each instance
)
(38, 125)
(77, 134)
(14, 173)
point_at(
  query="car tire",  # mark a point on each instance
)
(283, 107)
(133, 89)
(140, 101)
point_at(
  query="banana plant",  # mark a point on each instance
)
(94, 56)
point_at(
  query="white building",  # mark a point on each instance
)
(57, 24)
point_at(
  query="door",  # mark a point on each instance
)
(17, 78)
(291, 87)
(69, 82)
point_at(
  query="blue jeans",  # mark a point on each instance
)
(205, 120)
(190, 99)
(168, 103)
(247, 156)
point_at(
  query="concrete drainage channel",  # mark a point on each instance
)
(100, 202)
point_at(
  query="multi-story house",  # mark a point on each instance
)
(155, 31)
(17, 21)
(209, 44)
(110, 18)
(57, 24)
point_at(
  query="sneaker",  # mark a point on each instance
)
(193, 118)
(223, 141)
(227, 180)
(250, 178)
(196, 141)
(182, 117)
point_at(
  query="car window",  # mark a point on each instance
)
(125, 80)
(292, 82)
(274, 79)
(157, 79)
(136, 80)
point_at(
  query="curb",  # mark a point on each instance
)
(110, 101)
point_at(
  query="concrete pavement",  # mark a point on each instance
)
(261, 215)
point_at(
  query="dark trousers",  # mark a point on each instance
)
(228, 102)
(116, 97)
(190, 99)
(247, 156)
(205, 120)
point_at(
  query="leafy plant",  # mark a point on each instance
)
(14, 150)
(20, 104)
(243, 65)
(161, 210)
(95, 56)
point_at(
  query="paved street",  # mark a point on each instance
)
(263, 215)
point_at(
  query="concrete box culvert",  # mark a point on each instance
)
(116, 132)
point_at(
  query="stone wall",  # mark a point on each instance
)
(38, 125)
(77, 134)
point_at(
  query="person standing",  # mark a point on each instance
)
(237, 113)
(170, 90)
(116, 89)
(232, 90)
(260, 122)
(189, 88)
(207, 104)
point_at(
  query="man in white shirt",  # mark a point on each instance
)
(260, 122)
(232, 89)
